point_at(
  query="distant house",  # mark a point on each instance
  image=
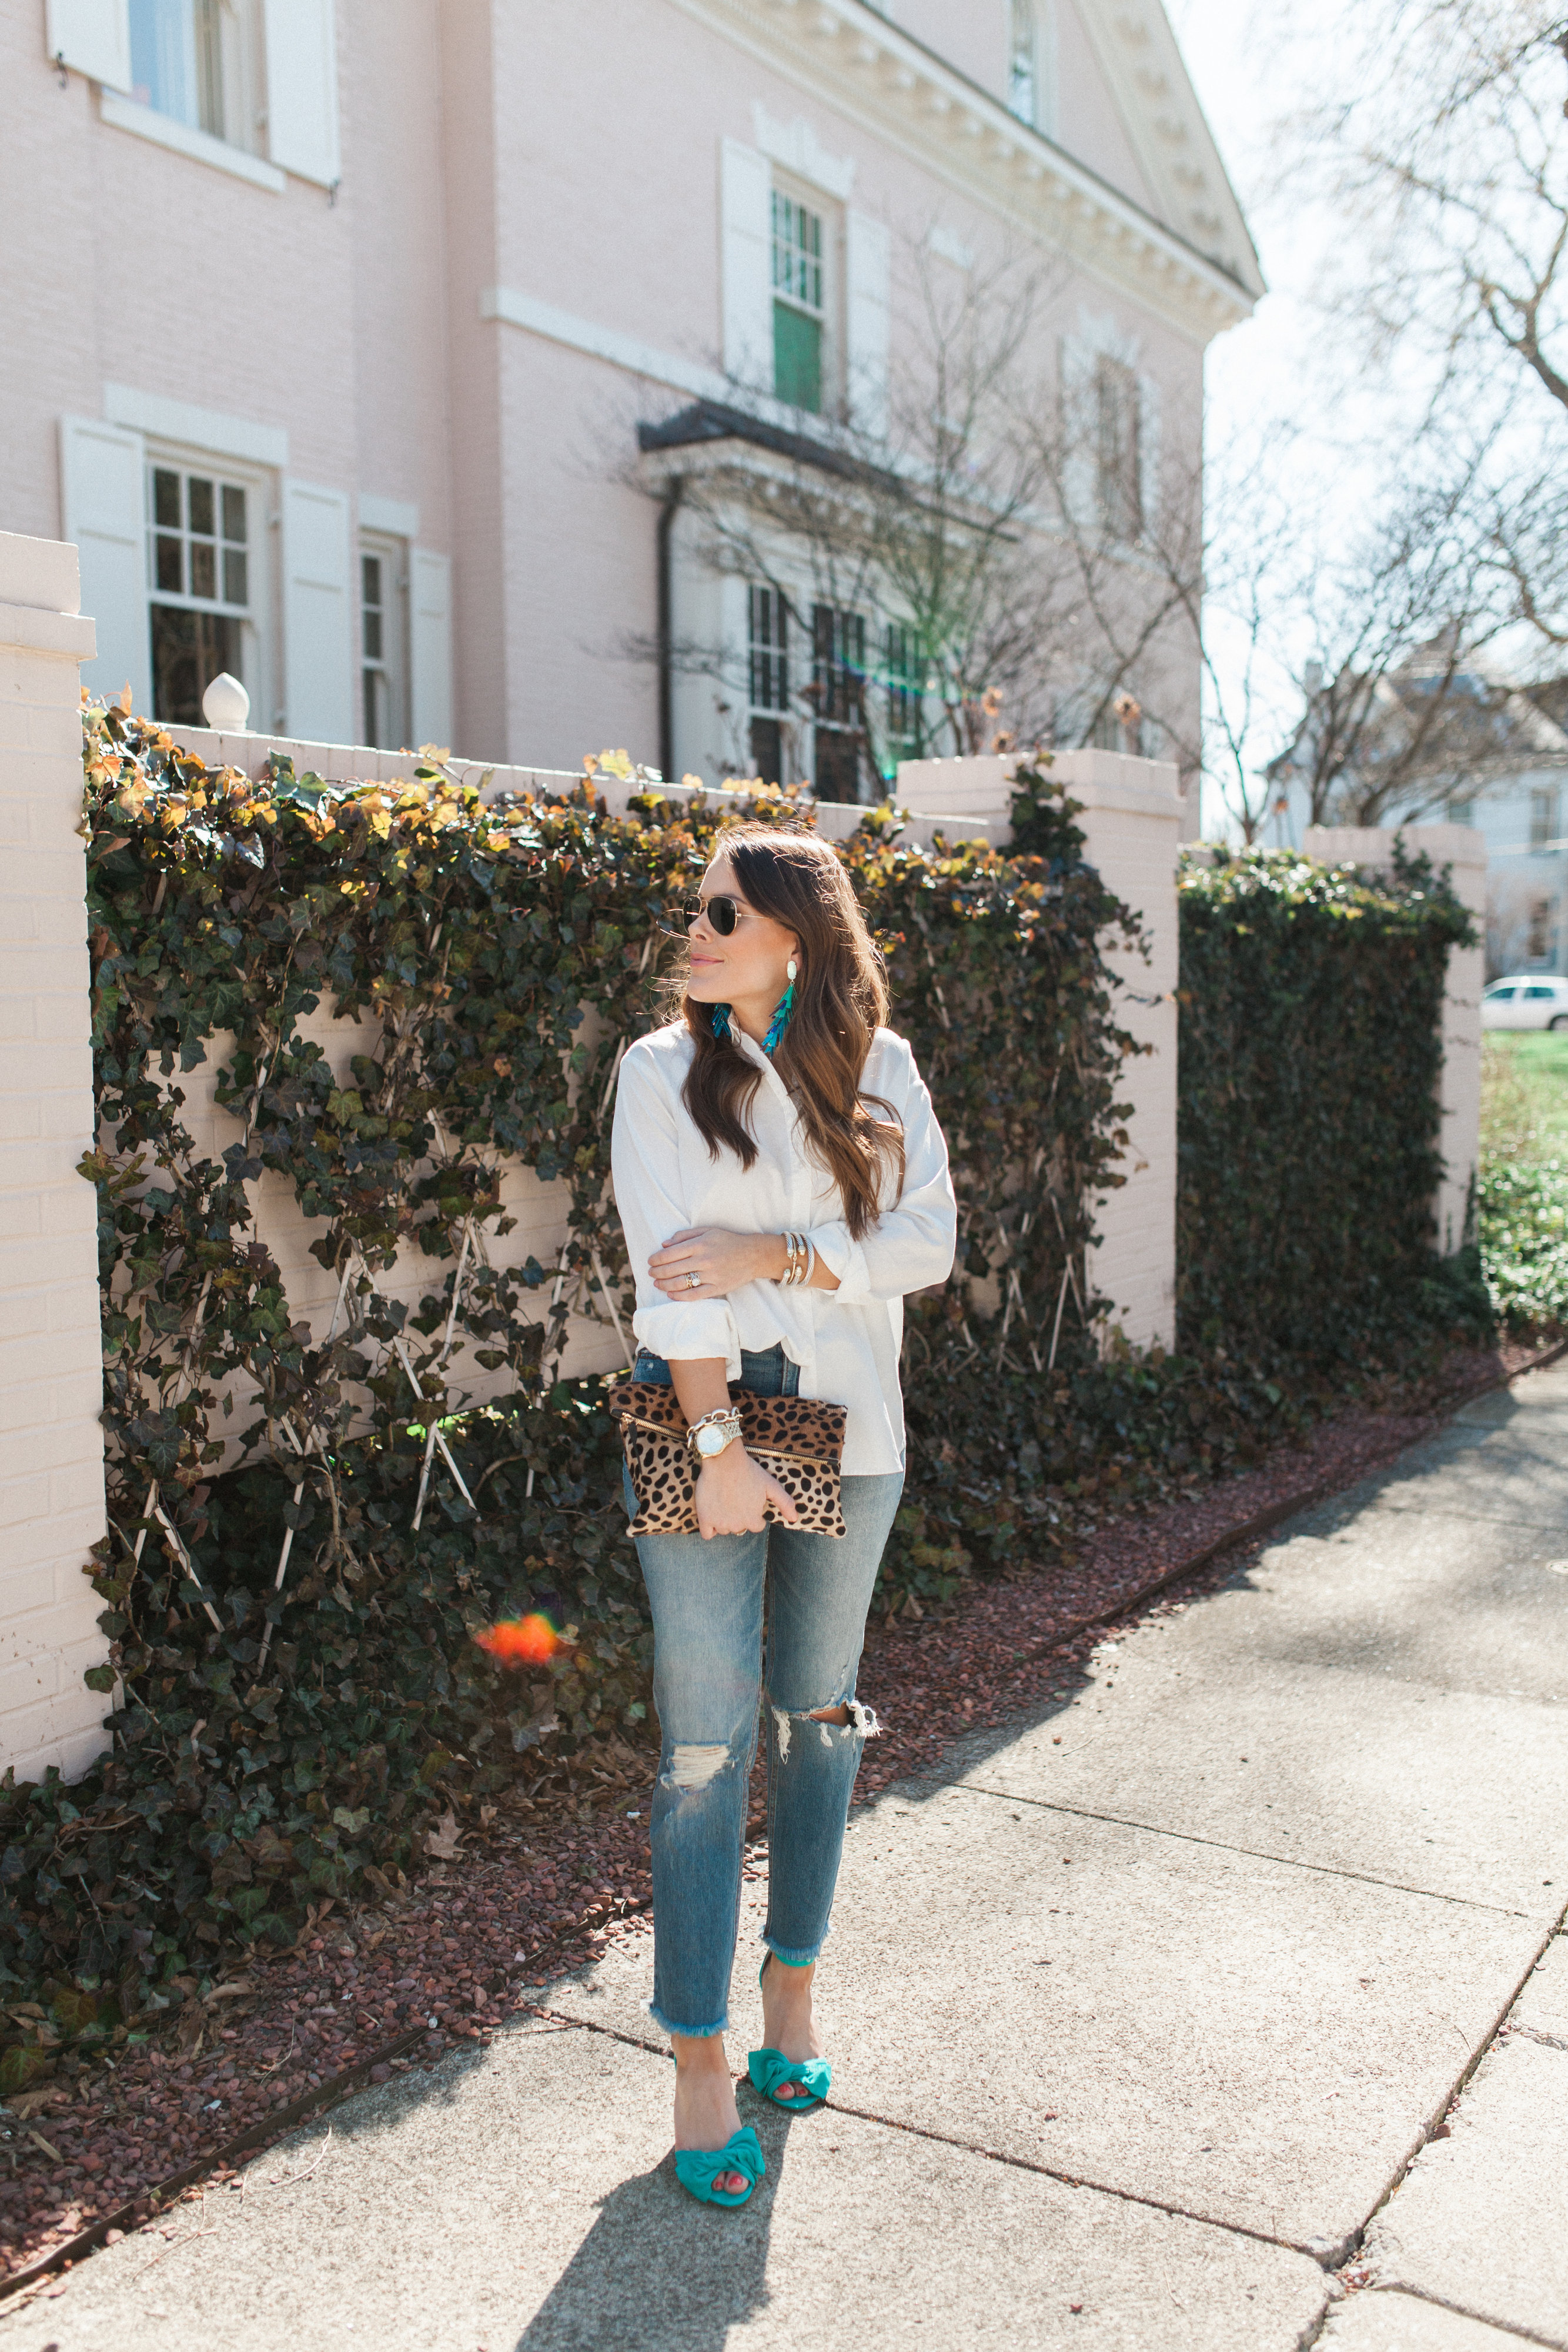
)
(329, 327)
(1496, 758)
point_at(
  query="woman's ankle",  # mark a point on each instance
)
(699, 2053)
(786, 1972)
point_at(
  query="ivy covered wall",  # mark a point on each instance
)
(1309, 1066)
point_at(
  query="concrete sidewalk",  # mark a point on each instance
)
(1139, 2014)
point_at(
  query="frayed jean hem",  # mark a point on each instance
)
(687, 2033)
(792, 1959)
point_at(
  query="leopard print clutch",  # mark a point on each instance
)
(800, 1440)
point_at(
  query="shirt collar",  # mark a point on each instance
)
(753, 1052)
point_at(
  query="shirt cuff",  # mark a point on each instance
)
(843, 1256)
(678, 1333)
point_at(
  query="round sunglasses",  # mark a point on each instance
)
(722, 913)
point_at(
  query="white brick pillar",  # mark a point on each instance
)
(51, 1365)
(1132, 820)
(1463, 850)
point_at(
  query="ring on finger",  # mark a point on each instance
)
(693, 1282)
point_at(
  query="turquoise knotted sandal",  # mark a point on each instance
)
(696, 2169)
(770, 2070)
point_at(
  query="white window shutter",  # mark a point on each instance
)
(745, 229)
(1149, 452)
(93, 36)
(868, 293)
(430, 646)
(317, 635)
(302, 88)
(103, 475)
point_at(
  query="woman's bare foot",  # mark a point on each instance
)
(787, 2021)
(706, 2112)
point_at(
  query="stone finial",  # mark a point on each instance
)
(225, 706)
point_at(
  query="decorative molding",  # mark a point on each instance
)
(183, 422)
(795, 145)
(126, 114)
(398, 518)
(1144, 68)
(846, 56)
(514, 310)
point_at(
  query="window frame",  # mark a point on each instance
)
(230, 90)
(1545, 801)
(1023, 44)
(1118, 451)
(903, 691)
(832, 667)
(828, 217)
(255, 618)
(395, 666)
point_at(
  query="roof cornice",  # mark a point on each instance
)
(1147, 75)
(847, 56)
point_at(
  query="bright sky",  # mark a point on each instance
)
(1264, 370)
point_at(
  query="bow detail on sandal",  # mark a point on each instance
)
(769, 2070)
(698, 2168)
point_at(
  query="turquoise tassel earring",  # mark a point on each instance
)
(721, 1024)
(781, 1021)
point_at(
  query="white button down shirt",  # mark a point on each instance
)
(845, 1341)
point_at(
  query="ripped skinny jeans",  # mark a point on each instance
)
(712, 1663)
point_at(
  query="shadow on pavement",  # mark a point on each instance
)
(661, 2272)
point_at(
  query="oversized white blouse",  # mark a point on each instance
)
(845, 1341)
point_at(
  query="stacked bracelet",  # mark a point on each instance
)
(797, 1257)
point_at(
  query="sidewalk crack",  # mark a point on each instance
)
(1224, 1845)
(1534, 2033)
(989, 2155)
(1467, 2311)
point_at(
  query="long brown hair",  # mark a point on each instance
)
(841, 998)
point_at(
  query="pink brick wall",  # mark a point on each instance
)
(51, 1385)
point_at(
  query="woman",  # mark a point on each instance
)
(783, 1184)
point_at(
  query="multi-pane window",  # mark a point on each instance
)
(768, 656)
(1543, 817)
(799, 303)
(837, 693)
(905, 684)
(199, 558)
(383, 668)
(768, 621)
(198, 61)
(1539, 947)
(1022, 98)
(1118, 451)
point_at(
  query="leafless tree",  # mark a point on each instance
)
(1437, 128)
(1027, 575)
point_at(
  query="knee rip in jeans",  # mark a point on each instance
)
(850, 1715)
(693, 1767)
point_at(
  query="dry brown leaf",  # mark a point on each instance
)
(49, 2150)
(23, 2104)
(443, 1842)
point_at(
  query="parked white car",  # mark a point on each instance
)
(1526, 1000)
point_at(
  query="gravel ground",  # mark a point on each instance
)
(550, 1877)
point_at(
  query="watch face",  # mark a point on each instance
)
(711, 1441)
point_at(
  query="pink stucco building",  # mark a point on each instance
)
(365, 351)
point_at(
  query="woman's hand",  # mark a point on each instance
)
(733, 1493)
(721, 1261)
